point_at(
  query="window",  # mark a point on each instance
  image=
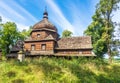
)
(43, 46)
(38, 35)
(32, 47)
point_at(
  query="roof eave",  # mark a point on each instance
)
(39, 40)
(73, 48)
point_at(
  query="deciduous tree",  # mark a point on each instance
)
(25, 33)
(102, 27)
(66, 33)
(8, 36)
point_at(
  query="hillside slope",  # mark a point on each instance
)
(59, 70)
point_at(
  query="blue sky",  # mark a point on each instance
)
(74, 15)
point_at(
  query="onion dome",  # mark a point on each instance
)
(44, 24)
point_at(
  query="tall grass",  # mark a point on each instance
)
(59, 70)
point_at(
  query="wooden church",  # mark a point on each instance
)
(44, 40)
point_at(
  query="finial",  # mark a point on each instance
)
(45, 13)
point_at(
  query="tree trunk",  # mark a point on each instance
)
(109, 54)
(108, 32)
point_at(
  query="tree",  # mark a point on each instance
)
(8, 36)
(66, 33)
(96, 30)
(25, 33)
(102, 27)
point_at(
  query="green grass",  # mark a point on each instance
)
(59, 70)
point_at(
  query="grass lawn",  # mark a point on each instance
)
(59, 70)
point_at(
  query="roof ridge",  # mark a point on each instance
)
(75, 37)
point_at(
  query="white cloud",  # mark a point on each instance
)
(11, 11)
(19, 25)
(116, 17)
(79, 22)
(4, 19)
(23, 11)
(80, 19)
(16, 13)
(59, 18)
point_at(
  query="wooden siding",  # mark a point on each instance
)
(43, 34)
(67, 52)
(73, 51)
(86, 52)
(49, 45)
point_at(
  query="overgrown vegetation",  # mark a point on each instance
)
(59, 70)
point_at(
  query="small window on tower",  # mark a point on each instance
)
(38, 35)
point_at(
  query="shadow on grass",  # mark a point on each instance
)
(10, 74)
(54, 73)
(53, 70)
(18, 81)
(84, 75)
(112, 73)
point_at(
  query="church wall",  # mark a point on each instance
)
(67, 51)
(73, 52)
(41, 33)
(38, 45)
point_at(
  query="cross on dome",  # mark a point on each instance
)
(45, 14)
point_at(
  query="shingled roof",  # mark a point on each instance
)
(15, 48)
(44, 24)
(83, 42)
